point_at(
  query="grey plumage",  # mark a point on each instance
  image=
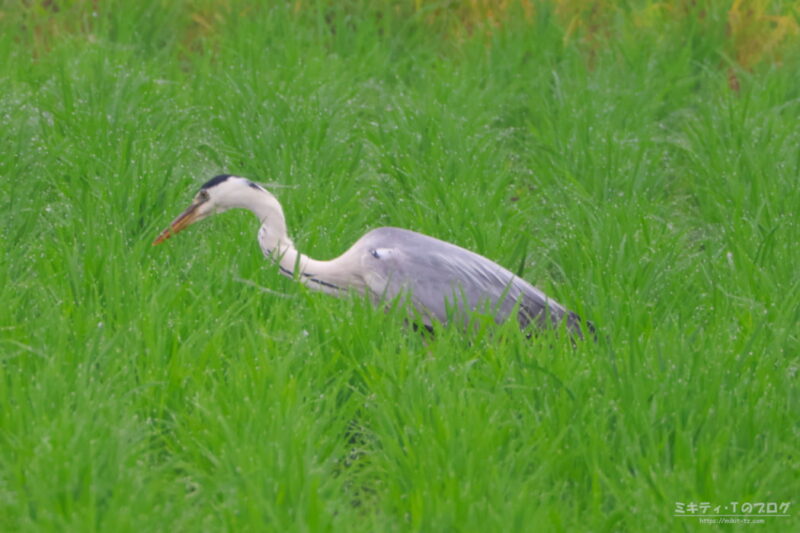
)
(441, 280)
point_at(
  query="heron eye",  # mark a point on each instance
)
(204, 195)
(375, 253)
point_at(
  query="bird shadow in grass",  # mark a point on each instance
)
(356, 461)
(481, 328)
(354, 465)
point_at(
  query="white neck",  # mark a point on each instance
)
(277, 246)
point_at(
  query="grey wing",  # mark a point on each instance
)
(441, 278)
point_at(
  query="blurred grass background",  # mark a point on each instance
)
(636, 160)
(748, 32)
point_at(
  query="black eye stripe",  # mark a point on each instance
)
(216, 180)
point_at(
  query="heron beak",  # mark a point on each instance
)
(184, 220)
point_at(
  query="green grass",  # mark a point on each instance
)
(156, 389)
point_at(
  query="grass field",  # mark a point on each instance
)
(644, 178)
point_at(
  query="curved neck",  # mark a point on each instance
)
(273, 238)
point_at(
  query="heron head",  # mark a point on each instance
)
(218, 194)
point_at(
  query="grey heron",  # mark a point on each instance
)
(438, 278)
